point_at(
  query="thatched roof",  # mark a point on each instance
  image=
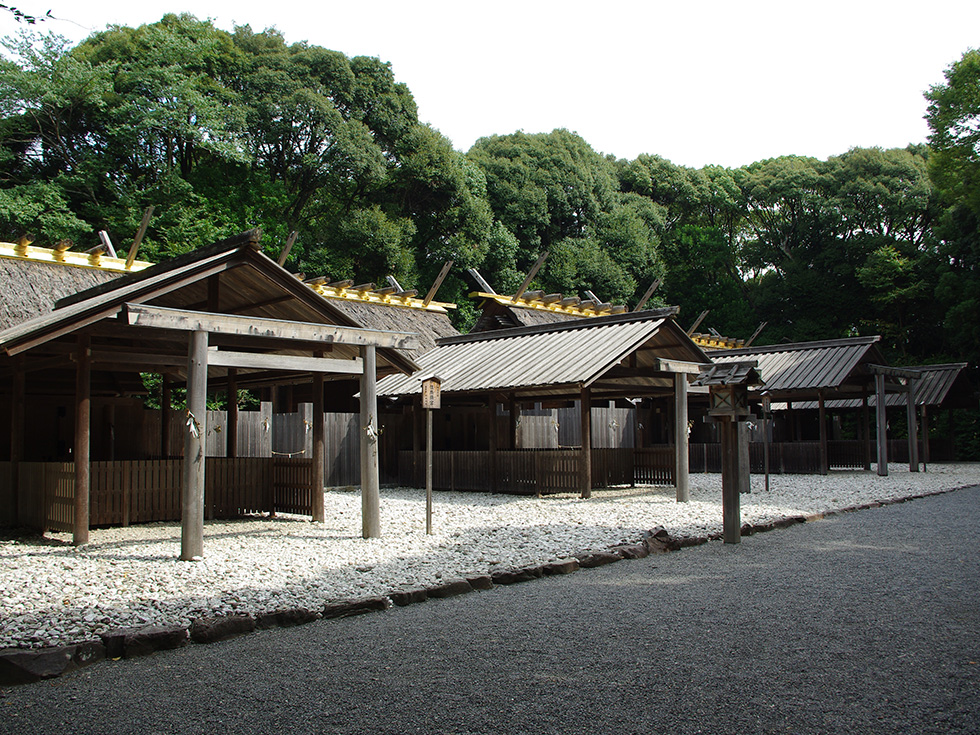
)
(507, 316)
(429, 325)
(31, 288)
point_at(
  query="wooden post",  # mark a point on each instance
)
(492, 446)
(428, 471)
(18, 401)
(165, 390)
(766, 431)
(319, 449)
(682, 463)
(824, 447)
(913, 429)
(231, 436)
(192, 498)
(370, 485)
(731, 512)
(881, 421)
(744, 465)
(109, 421)
(866, 430)
(926, 457)
(585, 466)
(83, 436)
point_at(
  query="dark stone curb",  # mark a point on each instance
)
(133, 642)
(212, 629)
(28, 665)
(355, 607)
(408, 597)
(286, 618)
(450, 588)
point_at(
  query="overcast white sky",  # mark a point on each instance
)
(715, 82)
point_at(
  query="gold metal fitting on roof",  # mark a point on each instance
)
(714, 342)
(571, 306)
(345, 291)
(60, 255)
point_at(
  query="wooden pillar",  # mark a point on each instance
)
(881, 421)
(165, 410)
(83, 436)
(824, 447)
(926, 457)
(866, 430)
(231, 430)
(192, 498)
(370, 483)
(913, 429)
(492, 438)
(585, 465)
(18, 399)
(766, 435)
(109, 422)
(744, 460)
(731, 511)
(319, 449)
(682, 463)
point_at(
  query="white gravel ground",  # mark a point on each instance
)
(53, 593)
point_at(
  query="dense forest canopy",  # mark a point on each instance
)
(226, 131)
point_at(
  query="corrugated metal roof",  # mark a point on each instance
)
(807, 365)
(931, 389)
(565, 354)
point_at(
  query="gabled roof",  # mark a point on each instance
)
(619, 355)
(802, 368)
(230, 277)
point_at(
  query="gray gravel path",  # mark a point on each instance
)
(865, 622)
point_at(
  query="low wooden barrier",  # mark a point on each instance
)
(145, 491)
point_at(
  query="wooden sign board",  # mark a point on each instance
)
(431, 394)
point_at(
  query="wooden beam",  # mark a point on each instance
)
(756, 333)
(682, 479)
(731, 512)
(438, 283)
(646, 296)
(289, 246)
(585, 464)
(881, 419)
(131, 255)
(530, 276)
(824, 447)
(913, 428)
(697, 322)
(81, 450)
(192, 495)
(370, 480)
(481, 281)
(263, 361)
(154, 316)
(319, 450)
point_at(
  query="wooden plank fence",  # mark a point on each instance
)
(145, 491)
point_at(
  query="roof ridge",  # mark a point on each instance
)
(250, 238)
(791, 346)
(591, 322)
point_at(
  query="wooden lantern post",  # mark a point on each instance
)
(431, 401)
(729, 386)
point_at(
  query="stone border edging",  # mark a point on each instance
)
(29, 665)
